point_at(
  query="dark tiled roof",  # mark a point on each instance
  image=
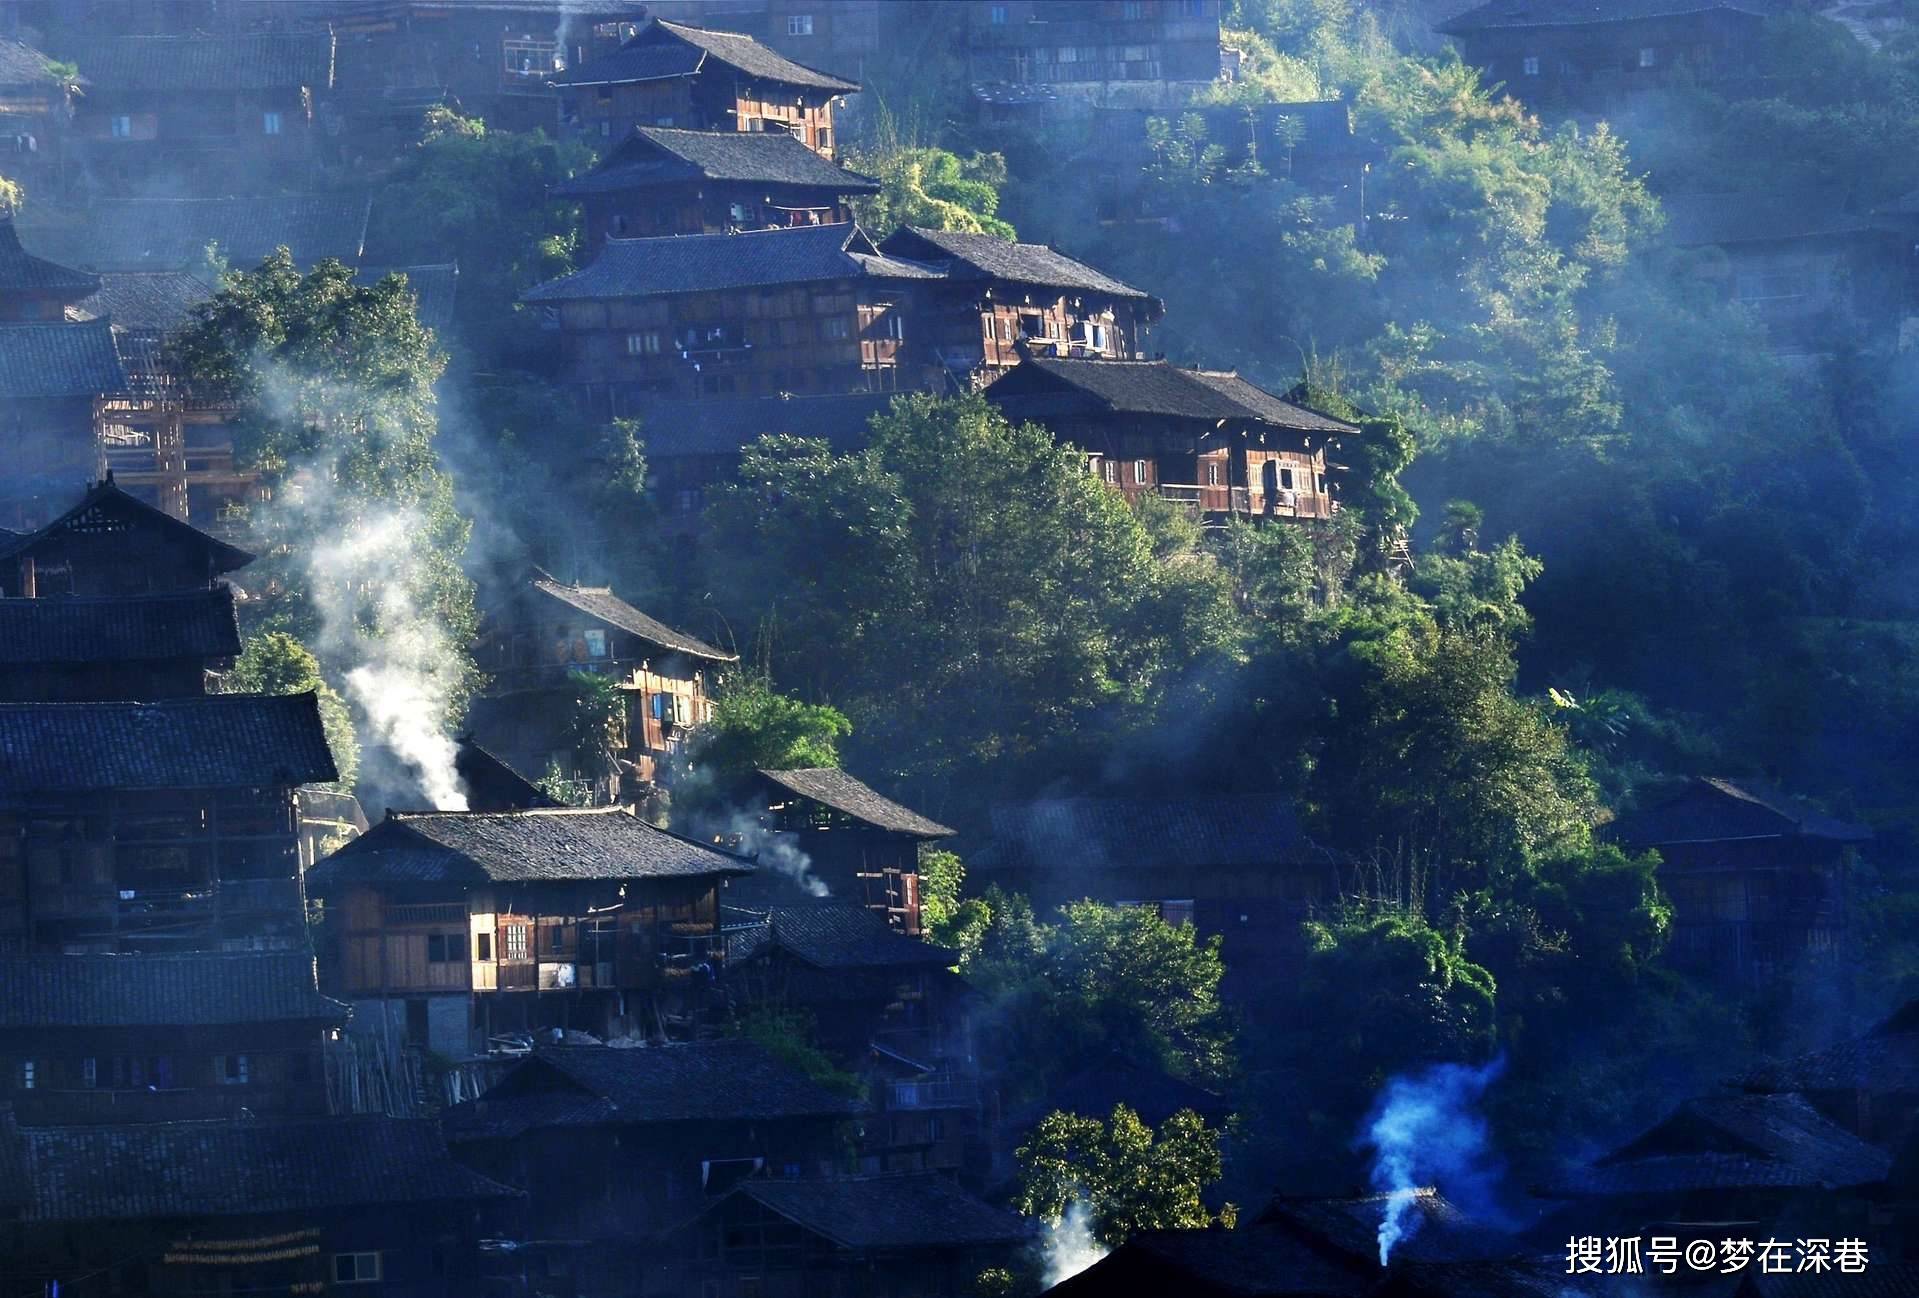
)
(919, 1210)
(105, 505)
(1142, 833)
(220, 741)
(695, 263)
(1764, 216)
(23, 65)
(241, 1168)
(151, 301)
(1096, 1091)
(136, 628)
(1579, 13)
(1532, 1277)
(1738, 1142)
(655, 155)
(834, 788)
(435, 288)
(1885, 1061)
(285, 61)
(600, 602)
(841, 935)
(1711, 809)
(1034, 387)
(667, 49)
(492, 785)
(124, 991)
(1349, 1227)
(987, 257)
(173, 233)
(545, 844)
(59, 360)
(21, 271)
(1253, 1262)
(727, 425)
(730, 1080)
(1888, 1278)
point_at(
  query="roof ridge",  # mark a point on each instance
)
(516, 812)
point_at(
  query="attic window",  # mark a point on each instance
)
(1648, 57)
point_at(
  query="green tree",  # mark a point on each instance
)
(276, 663)
(596, 723)
(931, 188)
(754, 727)
(12, 197)
(1131, 1177)
(791, 1036)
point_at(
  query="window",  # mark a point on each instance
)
(270, 123)
(527, 59)
(999, 15)
(356, 1268)
(825, 140)
(646, 343)
(606, 128)
(1286, 479)
(1139, 473)
(1192, 8)
(89, 1072)
(1112, 472)
(26, 1075)
(799, 24)
(1212, 475)
(482, 946)
(619, 225)
(513, 940)
(1132, 10)
(595, 642)
(1532, 65)
(1648, 57)
(836, 327)
(123, 128)
(232, 1070)
(445, 948)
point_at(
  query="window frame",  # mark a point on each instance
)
(355, 1261)
(799, 24)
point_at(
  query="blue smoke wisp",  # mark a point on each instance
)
(1423, 1129)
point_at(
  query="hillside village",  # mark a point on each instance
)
(921, 648)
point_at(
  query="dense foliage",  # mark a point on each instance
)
(1130, 1177)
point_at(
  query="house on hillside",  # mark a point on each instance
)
(861, 846)
(1596, 54)
(663, 180)
(113, 543)
(1868, 1084)
(445, 929)
(613, 1145)
(1759, 882)
(806, 309)
(172, 234)
(917, 1233)
(33, 288)
(174, 1209)
(55, 380)
(115, 647)
(1238, 866)
(37, 98)
(995, 301)
(1206, 439)
(673, 74)
(542, 632)
(1026, 58)
(217, 108)
(88, 1039)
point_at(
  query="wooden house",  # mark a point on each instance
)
(663, 180)
(447, 928)
(152, 1038)
(170, 825)
(79, 649)
(543, 631)
(144, 235)
(225, 107)
(1869, 1084)
(1028, 57)
(859, 845)
(372, 1206)
(33, 288)
(492, 785)
(113, 543)
(1206, 439)
(1238, 866)
(917, 1235)
(802, 309)
(616, 1145)
(994, 300)
(37, 100)
(1254, 1261)
(887, 1007)
(1759, 883)
(1596, 54)
(672, 74)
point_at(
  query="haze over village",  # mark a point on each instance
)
(959, 648)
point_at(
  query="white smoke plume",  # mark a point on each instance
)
(1424, 1129)
(775, 851)
(1070, 1246)
(399, 681)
